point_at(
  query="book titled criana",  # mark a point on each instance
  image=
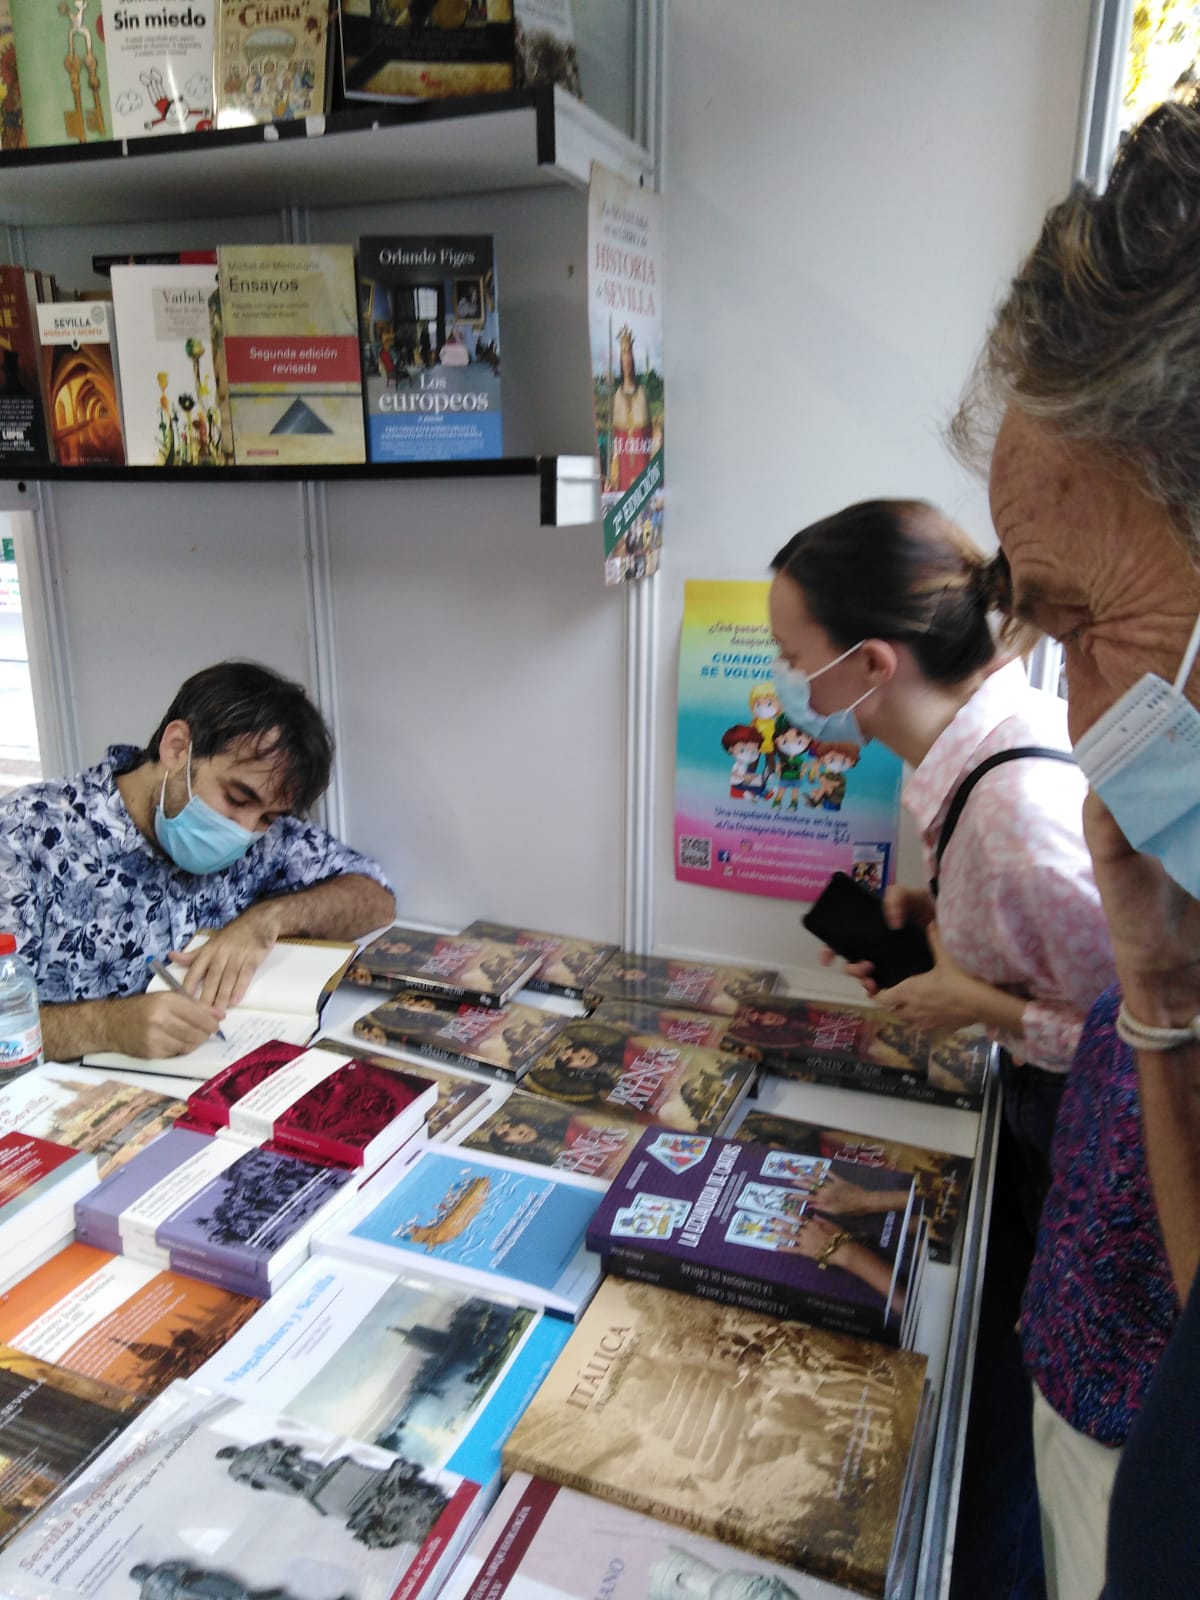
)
(160, 60)
(317, 1104)
(80, 386)
(788, 1441)
(272, 60)
(172, 364)
(502, 1042)
(691, 985)
(801, 1237)
(235, 1215)
(569, 964)
(290, 322)
(448, 966)
(431, 347)
(498, 1225)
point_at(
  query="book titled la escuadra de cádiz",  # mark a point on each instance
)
(292, 354)
(788, 1441)
(431, 341)
(743, 1224)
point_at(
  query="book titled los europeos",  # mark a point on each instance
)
(431, 347)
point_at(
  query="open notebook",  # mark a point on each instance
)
(283, 1002)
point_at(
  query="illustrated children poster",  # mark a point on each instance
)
(625, 328)
(759, 806)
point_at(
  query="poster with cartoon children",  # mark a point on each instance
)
(761, 806)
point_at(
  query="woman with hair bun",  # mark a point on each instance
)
(883, 618)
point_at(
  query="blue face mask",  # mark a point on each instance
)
(1143, 759)
(197, 838)
(791, 685)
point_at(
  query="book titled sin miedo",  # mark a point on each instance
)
(431, 347)
(292, 353)
(160, 59)
(79, 383)
(64, 71)
(172, 365)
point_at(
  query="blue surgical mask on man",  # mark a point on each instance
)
(198, 838)
(792, 687)
(1143, 759)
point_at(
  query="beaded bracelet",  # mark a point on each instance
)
(1143, 1037)
(836, 1243)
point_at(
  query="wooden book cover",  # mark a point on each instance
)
(784, 1440)
(426, 49)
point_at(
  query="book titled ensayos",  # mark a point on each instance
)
(449, 966)
(503, 1042)
(796, 1236)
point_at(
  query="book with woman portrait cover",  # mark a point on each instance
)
(503, 1043)
(449, 966)
(533, 1128)
(788, 1441)
(864, 1047)
(642, 1077)
(687, 985)
(800, 1237)
(569, 965)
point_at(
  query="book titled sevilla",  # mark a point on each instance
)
(800, 1237)
(290, 317)
(79, 383)
(449, 966)
(788, 1441)
(502, 1042)
(316, 1104)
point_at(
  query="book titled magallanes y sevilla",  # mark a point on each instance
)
(292, 353)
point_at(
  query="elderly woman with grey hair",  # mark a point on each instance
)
(1088, 396)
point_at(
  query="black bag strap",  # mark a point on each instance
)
(963, 793)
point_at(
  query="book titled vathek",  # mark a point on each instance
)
(160, 62)
(64, 71)
(797, 1236)
(173, 379)
(449, 966)
(431, 347)
(292, 354)
(80, 386)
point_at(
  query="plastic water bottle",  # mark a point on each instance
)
(20, 1023)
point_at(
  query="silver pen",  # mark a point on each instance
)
(161, 970)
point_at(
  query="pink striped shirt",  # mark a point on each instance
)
(1017, 904)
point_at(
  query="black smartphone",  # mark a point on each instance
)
(849, 919)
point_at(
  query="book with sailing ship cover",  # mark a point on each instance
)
(942, 1180)
(689, 985)
(172, 365)
(569, 964)
(64, 71)
(272, 60)
(864, 1047)
(80, 386)
(799, 1237)
(160, 63)
(788, 1441)
(289, 314)
(450, 966)
(504, 1042)
(431, 347)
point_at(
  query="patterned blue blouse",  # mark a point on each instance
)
(89, 898)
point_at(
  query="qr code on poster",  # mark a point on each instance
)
(695, 852)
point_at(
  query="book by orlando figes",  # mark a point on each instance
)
(431, 347)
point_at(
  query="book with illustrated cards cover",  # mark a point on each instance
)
(12, 118)
(40, 1183)
(426, 50)
(504, 1041)
(543, 1542)
(160, 63)
(53, 1423)
(22, 421)
(788, 1441)
(80, 385)
(106, 1119)
(64, 71)
(499, 1225)
(233, 1214)
(942, 1180)
(272, 60)
(316, 1104)
(172, 364)
(449, 966)
(799, 1237)
(864, 1047)
(687, 985)
(641, 1076)
(569, 964)
(431, 347)
(292, 357)
(206, 1496)
(118, 1320)
(535, 1129)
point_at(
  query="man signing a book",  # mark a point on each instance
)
(204, 828)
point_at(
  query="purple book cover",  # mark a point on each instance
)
(240, 1221)
(748, 1225)
(98, 1215)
